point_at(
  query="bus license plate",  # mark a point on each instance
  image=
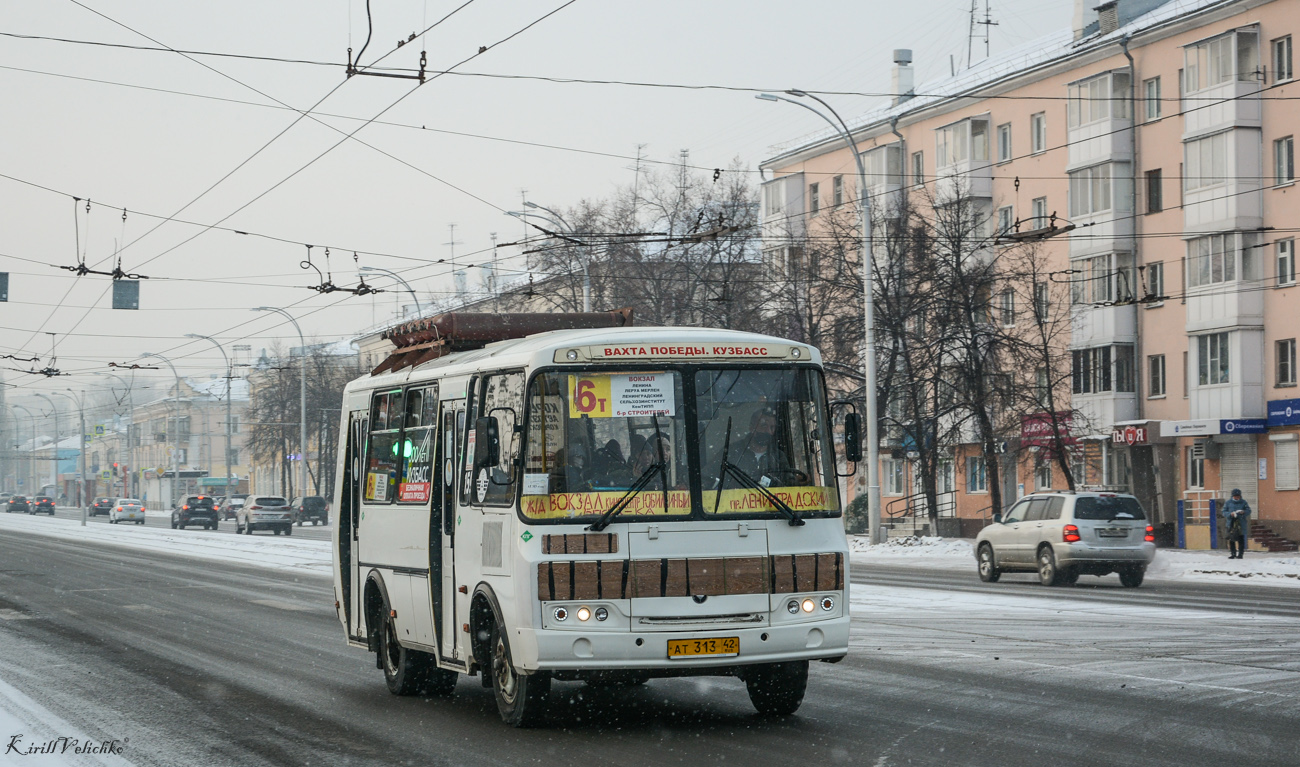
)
(692, 648)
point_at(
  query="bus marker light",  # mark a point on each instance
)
(793, 607)
(392, 613)
(583, 613)
(828, 603)
(561, 613)
(571, 355)
(808, 605)
(601, 613)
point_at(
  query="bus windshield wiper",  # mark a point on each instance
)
(623, 502)
(743, 478)
(660, 466)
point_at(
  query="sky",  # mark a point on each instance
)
(196, 147)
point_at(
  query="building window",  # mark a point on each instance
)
(233, 456)
(1095, 100)
(1042, 471)
(1042, 387)
(1007, 307)
(1284, 160)
(814, 199)
(1156, 375)
(918, 168)
(837, 190)
(1286, 261)
(1155, 282)
(1151, 96)
(944, 480)
(1212, 359)
(1195, 469)
(1038, 133)
(1211, 260)
(1102, 369)
(1006, 220)
(1221, 59)
(1286, 362)
(891, 470)
(1101, 279)
(1004, 142)
(884, 165)
(1090, 190)
(1286, 464)
(1042, 301)
(1155, 196)
(1186, 376)
(1282, 59)
(977, 480)
(1039, 209)
(961, 141)
(1206, 162)
(234, 424)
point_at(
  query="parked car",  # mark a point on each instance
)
(101, 506)
(230, 506)
(1064, 535)
(312, 507)
(126, 510)
(17, 503)
(43, 505)
(267, 512)
(195, 510)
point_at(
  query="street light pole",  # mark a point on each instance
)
(418, 311)
(130, 403)
(302, 390)
(176, 446)
(55, 408)
(31, 454)
(230, 383)
(81, 485)
(869, 364)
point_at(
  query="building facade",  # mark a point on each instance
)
(1163, 134)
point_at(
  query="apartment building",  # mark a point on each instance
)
(1163, 133)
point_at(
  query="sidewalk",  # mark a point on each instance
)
(1259, 568)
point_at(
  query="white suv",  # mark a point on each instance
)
(1064, 535)
(264, 511)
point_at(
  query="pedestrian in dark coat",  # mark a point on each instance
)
(1236, 515)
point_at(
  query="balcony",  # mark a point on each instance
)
(1222, 269)
(1099, 121)
(783, 210)
(962, 164)
(1242, 395)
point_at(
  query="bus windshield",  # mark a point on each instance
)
(769, 426)
(592, 436)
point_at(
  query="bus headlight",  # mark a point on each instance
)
(601, 613)
(792, 607)
(808, 605)
(583, 613)
(561, 613)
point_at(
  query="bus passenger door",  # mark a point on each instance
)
(445, 515)
(347, 519)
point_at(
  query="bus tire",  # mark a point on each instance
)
(521, 698)
(405, 671)
(777, 689)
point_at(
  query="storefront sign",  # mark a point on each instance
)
(1130, 435)
(1040, 429)
(1284, 412)
(1212, 426)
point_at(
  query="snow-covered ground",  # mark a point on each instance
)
(1257, 568)
(274, 551)
(33, 736)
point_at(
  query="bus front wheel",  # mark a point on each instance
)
(405, 671)
(521, 698)
(777, 689)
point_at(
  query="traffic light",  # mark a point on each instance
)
(116, 470)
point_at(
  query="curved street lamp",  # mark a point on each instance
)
(80, 402)
(302, 388)
(175, 431)
(376, 270)
(130, 403)
(230, 395)
(869, 386)
(55, 408)
(556, 220)
(31, 454)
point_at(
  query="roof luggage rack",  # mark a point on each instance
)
(429, 338)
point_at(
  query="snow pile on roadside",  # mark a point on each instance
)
(1259, 568)
(35, 737)
(273, 551)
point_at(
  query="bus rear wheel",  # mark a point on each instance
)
(777, 689)
(521, 698)
(405, 671)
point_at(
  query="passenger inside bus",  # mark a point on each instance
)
(758, 454)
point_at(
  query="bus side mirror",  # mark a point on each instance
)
(487, 443)
(852, 437)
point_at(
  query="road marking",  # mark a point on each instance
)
(281, 605)
(147, 609)
(13, 615)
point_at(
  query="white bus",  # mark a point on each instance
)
(607, 505)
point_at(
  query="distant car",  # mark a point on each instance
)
(195, 510)
(101, 506)
(17, 503)
(126, 510)
(265, 512)
(44, 505)
(230, 506)
(312, 507)
(1064, 535)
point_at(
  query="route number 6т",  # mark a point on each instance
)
(589, 396)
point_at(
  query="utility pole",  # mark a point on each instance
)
(459, 278)
(55, 477)
(175, 430)
(81, 485)
(230, 382)
(130, 447)
(31, 454)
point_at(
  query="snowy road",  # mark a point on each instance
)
(163, 519)
(199, 662)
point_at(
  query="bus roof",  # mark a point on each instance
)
(636, 345)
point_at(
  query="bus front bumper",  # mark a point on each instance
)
(569, 650)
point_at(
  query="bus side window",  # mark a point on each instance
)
(465, 421)
(380, 473)
(503, 399)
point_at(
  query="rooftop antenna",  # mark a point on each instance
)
(987, 23)
(458, 277)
